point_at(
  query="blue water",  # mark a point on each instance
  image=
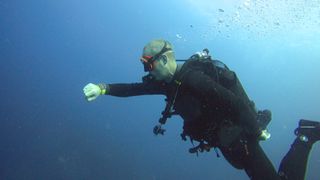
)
(49, 50)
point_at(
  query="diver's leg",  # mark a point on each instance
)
(257, 165)
(293, 165)
(248, 155)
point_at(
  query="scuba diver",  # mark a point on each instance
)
(216, 111)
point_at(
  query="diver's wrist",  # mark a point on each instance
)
(104, 88)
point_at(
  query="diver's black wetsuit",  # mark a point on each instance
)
(217, 110)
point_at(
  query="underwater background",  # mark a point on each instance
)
(49, 50)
